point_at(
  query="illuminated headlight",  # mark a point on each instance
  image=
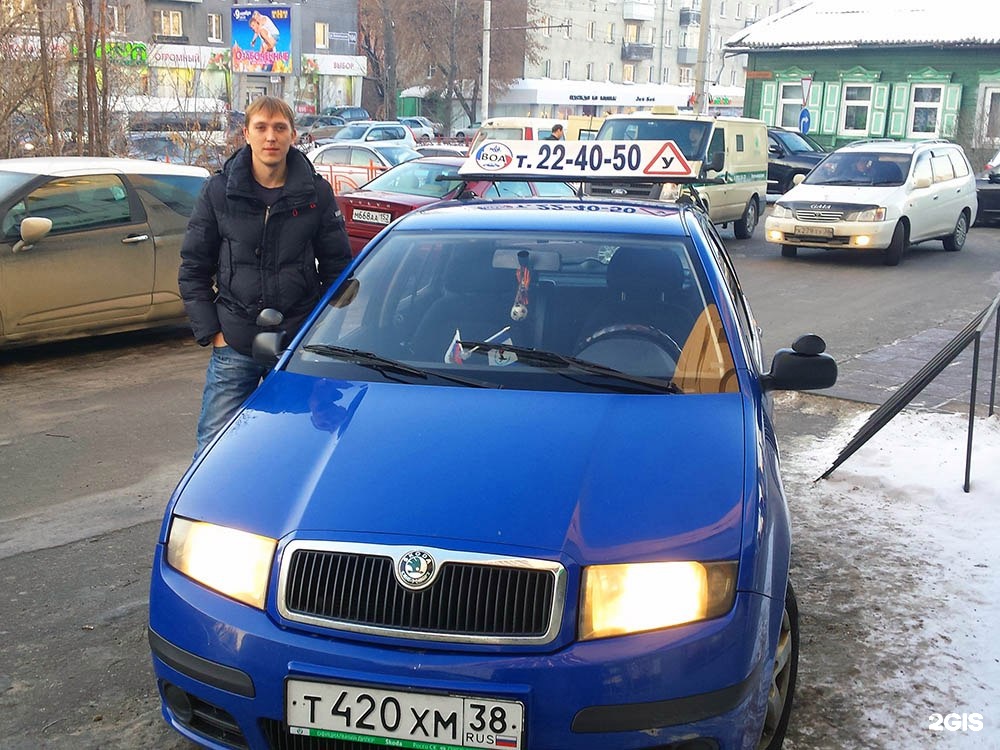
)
(780, 212)
(235, 563)
(631, 598)
(869, 214)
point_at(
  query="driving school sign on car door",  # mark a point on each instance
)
(262, 39)
(604, 159)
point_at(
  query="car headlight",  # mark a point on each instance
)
(780, 212)
(630, 598)
(868, 214)
(233, 562)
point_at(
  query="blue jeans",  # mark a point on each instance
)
(230, 379)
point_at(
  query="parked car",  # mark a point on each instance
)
(419, 182)
(468, 132)
(315, 127)
(177, 149)
(879, 195)
(988, 192)
(421, 132)
(436, 127)
(91, 245)
(350, 114)
(514, 485)
(442, 149)
(365, 131)
(789, 154)
(348, 166)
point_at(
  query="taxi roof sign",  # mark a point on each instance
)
(578, 161)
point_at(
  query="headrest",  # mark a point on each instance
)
(470, 271)
(645, 273)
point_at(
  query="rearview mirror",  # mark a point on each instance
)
(804, 367)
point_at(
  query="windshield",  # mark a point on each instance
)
(351, 132)
(860, 168)
(417, 178)
(634, 313)
(397, 154)
(797, 143)
(690, 135)
(11, 182)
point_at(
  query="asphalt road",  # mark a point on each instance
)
(94, 434)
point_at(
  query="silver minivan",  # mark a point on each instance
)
(880, 195)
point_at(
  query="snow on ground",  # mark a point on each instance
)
(896, 570)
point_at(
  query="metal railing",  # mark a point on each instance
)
(972, 333)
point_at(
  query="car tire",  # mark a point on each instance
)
(956, 240)
(789, 251)
(784, 671)
(897, 245)
(744, 226)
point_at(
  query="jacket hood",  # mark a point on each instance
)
(597, 477)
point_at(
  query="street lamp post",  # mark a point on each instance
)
(485, 98)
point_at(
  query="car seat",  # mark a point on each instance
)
(476, 300)
(644, 300)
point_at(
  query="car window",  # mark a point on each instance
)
(513, 189)
(397, 154)
(553, 189)
(958, 163)
(363, 157)
(416, 296)
(416, 178)
(74, 204)
(178, 192)
(717, 144)
(333, 156)
(942, 168)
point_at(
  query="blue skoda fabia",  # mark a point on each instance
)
(515, 485)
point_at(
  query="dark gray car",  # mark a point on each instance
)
(789, 154)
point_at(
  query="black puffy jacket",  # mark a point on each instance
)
(240, 257)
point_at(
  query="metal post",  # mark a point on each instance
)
(972, 409)
(996, 346)
(485, 97)
(704, 52)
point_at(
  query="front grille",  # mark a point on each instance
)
(278, 738)
(625, 190)
(469, 600)
(802, 214)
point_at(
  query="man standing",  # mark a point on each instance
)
(556, 134)
(266, 232)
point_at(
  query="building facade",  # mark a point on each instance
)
(600, 56)
(305, 53)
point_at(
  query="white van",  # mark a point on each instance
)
(516, 129)
(729, 153)
(882, 195)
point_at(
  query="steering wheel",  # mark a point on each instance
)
(600, 347)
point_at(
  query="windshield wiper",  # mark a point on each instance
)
(387, 366)
(542, 358)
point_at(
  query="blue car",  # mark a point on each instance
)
(514, 485)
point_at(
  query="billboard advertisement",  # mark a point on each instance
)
(262, 39)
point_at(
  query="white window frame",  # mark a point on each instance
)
(546, 26)
(722, 9)
(566, 68)
(988, 132)
(628, 73)
(611, 71)
(116, 19)
(567, 28)
(631, 32)
(845, 103)
(685, 75)
(215, 27)
(546, 68)
(165, 22)
(668, 37)
(590, 71)
(789, 95)
(321, 35)
(938, 106)
(591, 30)
(611, 33)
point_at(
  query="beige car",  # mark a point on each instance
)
(90, 245)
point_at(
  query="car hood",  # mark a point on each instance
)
(841, 194)
(597, 477)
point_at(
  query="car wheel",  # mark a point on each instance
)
(783, 673)
(744, 226)
(894, 253)
(425, 138)
(789, 251)
(460, 135)
(956, 240)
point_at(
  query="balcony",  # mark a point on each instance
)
(633, 51)
(638, 10)
(687, 56)
(690, 17)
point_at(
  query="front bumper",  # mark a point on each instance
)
(707, 680)
(848, 235)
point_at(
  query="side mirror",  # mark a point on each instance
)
(33, 230)
(804, 367)
(922, 182)
(269, 317)
(774, 150)
(267, 347)
(796, 179)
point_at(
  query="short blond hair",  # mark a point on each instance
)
(271, 106)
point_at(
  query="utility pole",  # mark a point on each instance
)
(701, 68)
(485, 96)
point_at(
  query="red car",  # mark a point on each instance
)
(415, 183)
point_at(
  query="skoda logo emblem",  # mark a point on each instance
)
(415, 569)
(619, 191)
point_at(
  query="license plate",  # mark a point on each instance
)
(372, 217)
(400, 718)
(814, 231)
